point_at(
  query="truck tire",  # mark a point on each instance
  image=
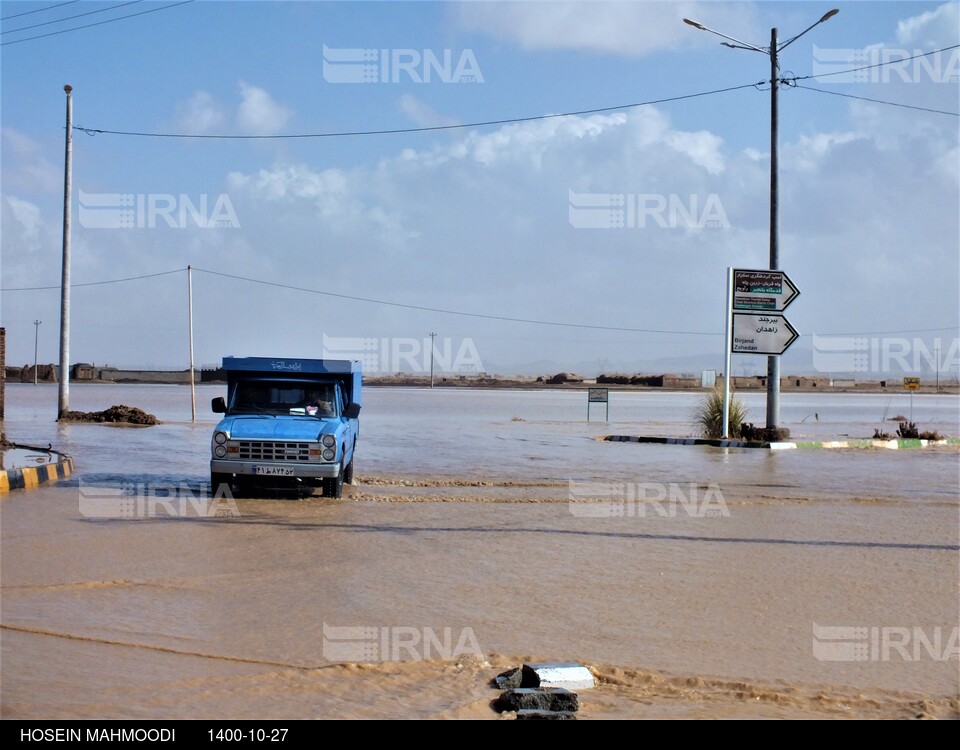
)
(333, 486)
(348, 473)
(216, 480)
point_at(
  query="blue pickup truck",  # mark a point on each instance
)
(288, 423)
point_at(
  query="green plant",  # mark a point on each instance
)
(709, 415)
(908, 430)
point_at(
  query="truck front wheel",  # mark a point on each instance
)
(348, 473)
(220, 484)
(333, 486)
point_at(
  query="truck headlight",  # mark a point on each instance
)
(328, 442)
(220, 438)
(220, 451)
(329, 454)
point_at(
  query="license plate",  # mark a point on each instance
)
(273, 471)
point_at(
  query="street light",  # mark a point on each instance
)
(36, 338)
(773, 362)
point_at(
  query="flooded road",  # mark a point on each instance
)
(486, 528)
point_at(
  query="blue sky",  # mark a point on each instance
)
(474, 219)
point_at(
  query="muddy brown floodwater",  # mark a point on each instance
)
(695, 582)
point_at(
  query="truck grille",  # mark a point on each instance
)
(268, 450)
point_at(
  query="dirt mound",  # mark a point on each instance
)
(116, 414)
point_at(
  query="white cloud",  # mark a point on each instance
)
(258, 113)
(810, 151)
(200, 114)
(627, 28)
(702, 148)
(18, 143)
(422, 114)
(27, 215)
(931, 30)
(27, 169)
(485, 218)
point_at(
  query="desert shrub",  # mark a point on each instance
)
(709, 415)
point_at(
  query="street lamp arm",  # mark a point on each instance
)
(791, 40)
(742, 45)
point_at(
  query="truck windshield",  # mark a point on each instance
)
(284, 397)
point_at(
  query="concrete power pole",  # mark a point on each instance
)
(773, 51)
(432, 351)
(36, 340)
(64, 393)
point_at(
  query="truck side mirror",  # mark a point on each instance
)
(352, 411)
(218, 405)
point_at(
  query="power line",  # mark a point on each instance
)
(508, 121)
(448, 312)
(879, 64)
(93, 283)
(876, 101)
(38, 10)
(394, 131)
(67, 18)
(892, 333)
(98, 23)
(456, 312)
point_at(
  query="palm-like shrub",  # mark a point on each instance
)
(709, 415)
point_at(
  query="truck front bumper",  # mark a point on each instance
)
(252, 469)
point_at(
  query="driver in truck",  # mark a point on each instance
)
(317, 406)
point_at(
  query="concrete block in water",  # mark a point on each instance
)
(532, 714)
(512, 678)
(569, 675)
(539, 699)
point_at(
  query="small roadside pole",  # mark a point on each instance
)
(598, 396)
(911, 384)
(193, 388)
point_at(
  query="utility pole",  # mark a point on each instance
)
(432, 351)
(193, 389)
(36, 339)
(773, 362)
(936, 350)
(64, 392)
(773, 51)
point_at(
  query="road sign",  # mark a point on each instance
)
(911, 384)
(762, 290)
(598, 395)
(761, 334)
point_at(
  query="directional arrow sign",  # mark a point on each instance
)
(762, 290)
(761, 334)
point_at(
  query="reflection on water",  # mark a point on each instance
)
(462, 520)
(539, 435)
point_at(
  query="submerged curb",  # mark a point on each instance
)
(30, 477)
(785, 445)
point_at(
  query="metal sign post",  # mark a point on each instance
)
(598, 396)
(728, 350)
(911, 384)
(756, 324)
